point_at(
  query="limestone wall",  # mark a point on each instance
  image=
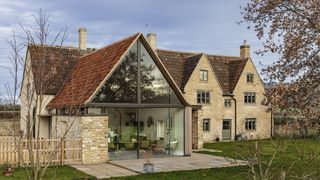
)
(216, 111)
(61, 123)
(257, 110)
(212, 111)
(7, 127)
(94, 135)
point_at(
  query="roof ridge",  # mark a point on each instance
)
(193, 55)
(118, 41)
(219, 55)
(193, 52)
(60, 46)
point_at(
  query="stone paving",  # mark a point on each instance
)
(135, 166)
(103, 171)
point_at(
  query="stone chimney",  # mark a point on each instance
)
(82, 38)
(152, 40)
(245, 50)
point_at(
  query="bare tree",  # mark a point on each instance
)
(291, 29)
(35, 92)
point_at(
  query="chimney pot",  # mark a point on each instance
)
(245, 50)
(82, 38)
(152, 40)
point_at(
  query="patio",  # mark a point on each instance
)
(135, 166)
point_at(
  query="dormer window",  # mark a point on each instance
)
(203, 75)
(249, 78)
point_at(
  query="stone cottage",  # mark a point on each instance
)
(129, 97)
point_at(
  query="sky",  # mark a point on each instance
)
(208, 26)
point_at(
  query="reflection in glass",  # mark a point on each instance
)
(157, 90)
(122, 86)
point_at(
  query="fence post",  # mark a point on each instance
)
(62, 152)
(20, 156)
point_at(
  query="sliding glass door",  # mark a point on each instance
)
(145, 132)
(122, 133)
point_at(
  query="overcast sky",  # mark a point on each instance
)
(208, 26)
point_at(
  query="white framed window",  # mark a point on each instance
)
(249, 97)
(203, 75)
(250, 124)
(206, 125)
(203, 97)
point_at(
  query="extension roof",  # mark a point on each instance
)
(89, 72)
(92, 70)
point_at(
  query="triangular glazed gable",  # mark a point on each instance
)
(122, 85)
(89, 74)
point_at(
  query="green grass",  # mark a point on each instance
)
(234, 173)
(60, 173)
(295, 155)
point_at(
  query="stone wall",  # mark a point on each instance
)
(256, 110)
(7, 126)
(94, 134)
(212, 111)
(195, 130)
(216, 111)
(61, 123)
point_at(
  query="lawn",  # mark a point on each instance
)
(60, 173)
(295, 158)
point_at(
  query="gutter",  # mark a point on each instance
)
(235, 117)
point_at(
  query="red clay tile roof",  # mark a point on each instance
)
(174, 63)
(89, 73)
(51, 65)
(181, 65)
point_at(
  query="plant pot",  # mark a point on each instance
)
(7, 172)
(148, 167)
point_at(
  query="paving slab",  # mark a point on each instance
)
(134, 167)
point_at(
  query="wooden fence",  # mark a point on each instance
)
(52, 151)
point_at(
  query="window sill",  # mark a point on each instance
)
(250, 104)
(203, 104)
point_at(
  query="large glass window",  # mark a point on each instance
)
(140, 131)
(154, 87)
(122, 86)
